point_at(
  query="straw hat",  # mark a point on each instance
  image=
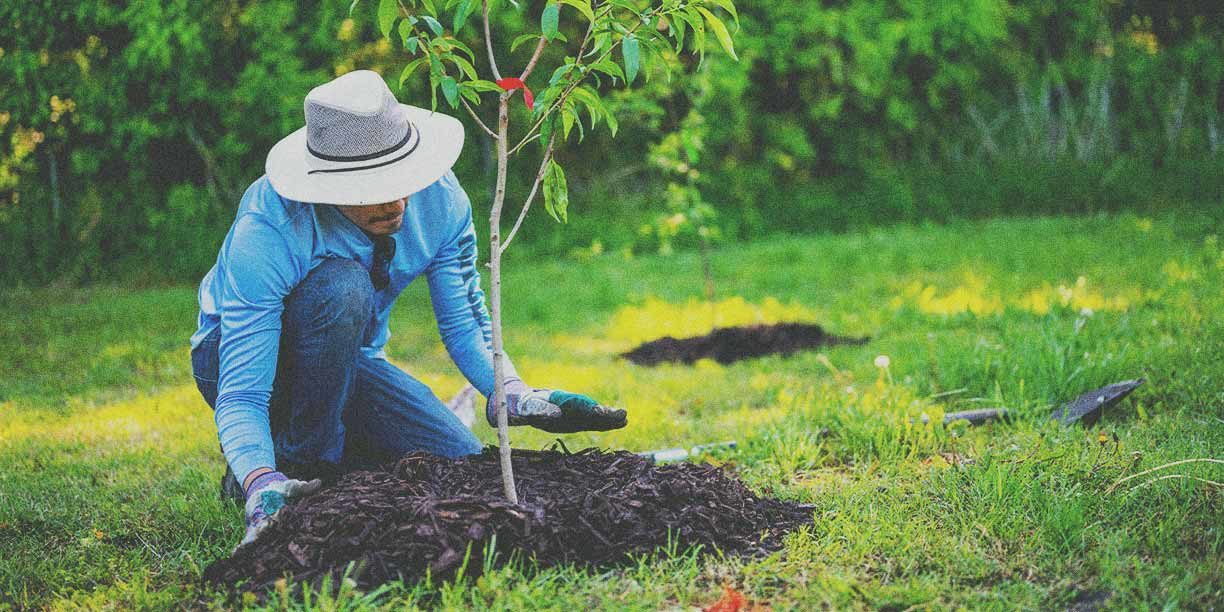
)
(361, 146)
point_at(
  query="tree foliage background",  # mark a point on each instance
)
(129, 130)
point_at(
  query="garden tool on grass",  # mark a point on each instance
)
(1089, 406)
(463, 405)
(671, 455)
(975, 417)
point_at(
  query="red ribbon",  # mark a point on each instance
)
(513, 83)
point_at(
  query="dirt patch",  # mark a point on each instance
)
(586, 508)
(729, 344)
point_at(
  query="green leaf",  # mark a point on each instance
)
(352, 6)
(461, 15)
(613, 124)
(728, 6)
(556, 193)
(464, 66)
(695, 21)
(456, 44)
(581, 130)
(546, 130)
(560, 72)
(676, 27)
(549, 19)
(603, 42)
(567, 121)
(632, 56)
(590, 99)
(465, 91)
(479, 85)
(522, 39)
(544, 99)
(610, 68)
(435, 76)
(410, 68)
(433, 24)
(388, 12)
(406, 34)
(450, 89)
(583, 7)
(720, 32)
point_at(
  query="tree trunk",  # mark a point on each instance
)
(57, 205)
(499, 371)
(705, 269)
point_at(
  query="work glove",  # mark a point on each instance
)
(267, 495)
(554, 411)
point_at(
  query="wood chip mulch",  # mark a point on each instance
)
(589, 508)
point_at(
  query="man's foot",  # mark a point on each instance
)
(230, 488)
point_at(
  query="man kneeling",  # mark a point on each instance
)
(293, 317)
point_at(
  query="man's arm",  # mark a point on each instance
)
(458, 301)
(454, 288)
(261, 272)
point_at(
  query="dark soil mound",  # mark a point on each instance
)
(728, 344)
(585, 508)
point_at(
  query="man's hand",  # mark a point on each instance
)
(267, 495)
(555, 411)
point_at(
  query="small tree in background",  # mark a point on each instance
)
(619, 39)
(678, 156)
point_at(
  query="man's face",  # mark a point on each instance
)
(377, 219)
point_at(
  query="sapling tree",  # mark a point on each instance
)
(678, 155)
(585, 49)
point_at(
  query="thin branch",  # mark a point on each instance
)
(524, 143)
(530, 196)
(531, 133)
(565, 94)
(471, 111)
(499, 372)
(535, 57)
(489, 41)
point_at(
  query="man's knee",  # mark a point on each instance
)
(466, 443)
(336, 292)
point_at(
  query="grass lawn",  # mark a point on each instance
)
(109, 460)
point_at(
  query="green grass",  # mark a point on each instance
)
(109, 460)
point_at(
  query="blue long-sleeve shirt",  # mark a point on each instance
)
(275, 242)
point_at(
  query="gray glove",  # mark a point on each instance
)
(555, 411)
(267, 495)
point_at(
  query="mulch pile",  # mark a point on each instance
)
(729, 344)
(586, 508)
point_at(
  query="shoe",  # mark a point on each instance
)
(230, 488)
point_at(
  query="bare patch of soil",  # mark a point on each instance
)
(586, 508)
(730, 344)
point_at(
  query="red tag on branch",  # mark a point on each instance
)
(513, 83)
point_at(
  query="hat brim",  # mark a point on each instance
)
(440, 145)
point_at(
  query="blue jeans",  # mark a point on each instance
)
(333, 406)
